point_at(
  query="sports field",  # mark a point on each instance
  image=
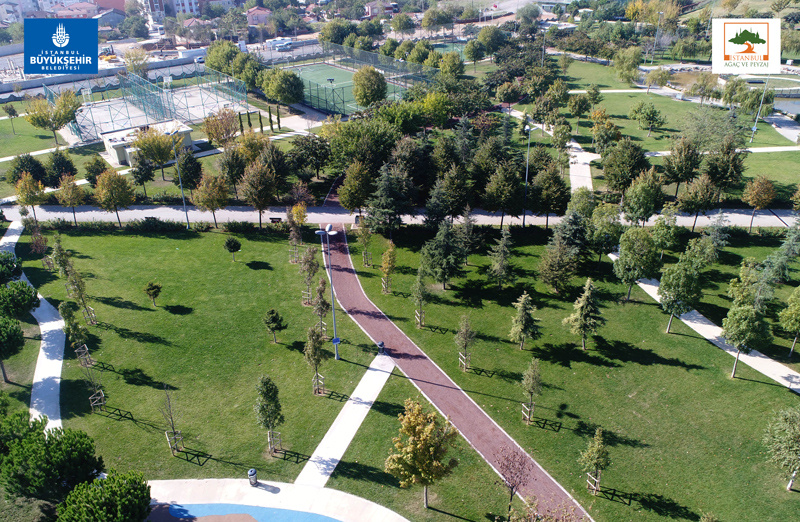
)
(446, 47)
(330, 88)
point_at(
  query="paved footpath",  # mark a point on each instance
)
(482, 433)
(45, 394)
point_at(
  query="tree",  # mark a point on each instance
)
(524, 325)
(474, 51)
(142, 172)
(465, 233)
(320, 304)
(136, 59)
(578, 106)
(388, 265)
(679, 290)
(442, 256)
(31, 165)
(402, 23)
(231, 166)
(595, 459)
(70, 195)
(94, 167)
(153, 290)
(53, 118)
(551, 194)
(29, 192)
(605, 230)
(259, 186)
(369, 86)
(222, 126)
(559, 263)
(746, 330)
(725, 165)
(683, 162)
(113, 192)
(308, 268)
(283, 85)
(465, 338)
(419, 294)
(421, 449)
(790, 317)
(390, 201)
(503, 192)
(190, 172)
(48, 466)
(314, 354)
(312, 150)
(622, 163)
(593, 94)
(11, 267)
(492, 38)
(155, 146)
(500, 268)
(11, 341)
(275, 323)
(119, 497)
(665, 230)
(515, 471)
(59, 164)
(586, 318)
(452, 66)
(758, 193)
(705, 85)
(647, 115)
(701, 196)
(638, 257)
(782, 439)
(643, 198)
(212, 194)
(17, 298)
(11, 112)
(658, 77)
(626, 64)
(232, 245)
(356, 188)
(532, 385)
(268, 407)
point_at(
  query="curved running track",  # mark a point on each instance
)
(475, 425)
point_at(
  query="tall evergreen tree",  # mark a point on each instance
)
(500, 267)
(443, 255)
(586, 318)
(436, 209)
(790, 317)
(532, 384)
(559, 263)
(524, 325)
(465, 234)
(390, 201)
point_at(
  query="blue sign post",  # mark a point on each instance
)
(60, 46)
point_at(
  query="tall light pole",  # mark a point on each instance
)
(180, 181)
(528, 129)
(655, 42)
(758, 114)
(328, 232)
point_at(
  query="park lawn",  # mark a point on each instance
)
(676, 436)
(779, 167)
(206, 342)
(476, 71)
(361, 470)
(581, 75)
(24, 138)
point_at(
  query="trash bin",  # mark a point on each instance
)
(252, 477)
(381, 346)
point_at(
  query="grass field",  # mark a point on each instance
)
(581, 75)
(24, 138)
(677, 437)
(205, 341)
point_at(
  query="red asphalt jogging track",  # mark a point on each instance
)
(475, 425)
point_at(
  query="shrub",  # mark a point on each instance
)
(17, 298)
(59, 224)
(239, 227)
(154, 224)
(10, 267)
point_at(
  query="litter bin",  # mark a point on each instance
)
(381, 346)
(252, 477)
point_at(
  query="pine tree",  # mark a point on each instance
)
(586, 318)
(275, 323)
(308, 268)
(558, 265)
(321, 305)
(419, 293)
(532, 385)
(465, 233)
(436, 209)
(464, 339)
(595, 458)
(500, 268)
(524, 325)
(790, 317)
(388, 265)
(442, 256)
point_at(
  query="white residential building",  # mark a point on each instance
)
(191, 7)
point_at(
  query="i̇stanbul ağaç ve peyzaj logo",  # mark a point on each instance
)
(60, 46)
(746, 46)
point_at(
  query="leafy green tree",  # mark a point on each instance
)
(559, 263)
(759, 193)
(583, 202)
(647, 115)
(142, 172)
(524, 325)
(119, 497)
(746, 330)
(578, 105)
(268, 406)
(638, 257)
(309, 267)
(221, 127)
(17, 298)
(313, 352)
(29, 192)
(474, 51)
(643, 198)
(658, 76)
(275, 323)
(11, 112)
(283, 85)
(420, 294)
(388, 265)
(593, 93)
(93, 168)
(782, 439)
(465, 338)
(421, 449)
(443, 255)
(212, 194)
(503, 192)
(550, 194)
(595, 459)
(586, 318)
(259, 186)
(58, 165)
(679, 290)
(11, 341)
(532, 385)
(606, 229)
(492, 38)
(53, 118)
(790, 317)
(231, 165)
(665, 230)
(312, 150)
(622, 163)
(626, 64)
(701, 196)
(452, 65)
(337, 30)
(369, 86)
(191, 172)
(113, 192)
(76, 332)
(725, 165)
(356, 188)
(402, 23)
(500, 267)
(31, 165)
(232, 245)
(153, 290)
(156, 147)
(683, 162)
(49, 466)
(320, 304)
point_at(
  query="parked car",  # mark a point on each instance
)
(199, 59)
(286, 46)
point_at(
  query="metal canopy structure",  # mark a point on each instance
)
(186, 93)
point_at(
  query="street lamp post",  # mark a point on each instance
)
(758, 114)
(528, 129)
(328, 232)
(180, 181)
(655, 42)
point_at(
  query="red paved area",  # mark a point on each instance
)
(473, 423)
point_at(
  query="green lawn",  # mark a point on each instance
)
(677, 436)
(780, 167)
(581, 75)
(24, 137)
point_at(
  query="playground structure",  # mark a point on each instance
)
(186, 93)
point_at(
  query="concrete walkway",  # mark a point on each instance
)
(321, 501)
(713, 333)
(331, 448)
(45, 391)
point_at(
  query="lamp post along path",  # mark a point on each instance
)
(528, 128)
(328, 232)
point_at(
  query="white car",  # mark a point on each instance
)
(199, 59)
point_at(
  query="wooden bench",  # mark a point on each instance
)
(275, 220)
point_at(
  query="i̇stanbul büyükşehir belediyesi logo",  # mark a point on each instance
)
(60, 46)
(60, 37)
